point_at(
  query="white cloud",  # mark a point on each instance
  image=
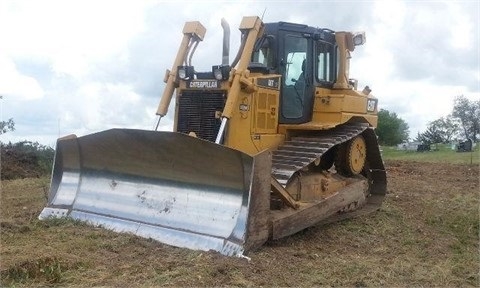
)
(15, 84)
(390, 15)
(100, 64)
(71, 34)
(98, 105)
(461, 27)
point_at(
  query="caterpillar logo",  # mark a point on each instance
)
(203, 84)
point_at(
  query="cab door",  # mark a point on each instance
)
(296, 95)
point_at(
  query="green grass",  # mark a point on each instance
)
(443, 154)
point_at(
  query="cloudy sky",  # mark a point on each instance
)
(78, 67)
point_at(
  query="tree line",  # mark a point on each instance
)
(461, 124)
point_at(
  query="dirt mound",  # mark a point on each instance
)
(18, 165)
(25, 160)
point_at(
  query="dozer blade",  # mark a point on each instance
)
(177, 189)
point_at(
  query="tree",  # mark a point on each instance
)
(441, 130)
(6, 126)
(391, 129)
(468, 114)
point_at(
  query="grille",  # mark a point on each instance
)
(196, 113)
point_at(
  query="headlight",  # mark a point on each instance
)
(182, 73)
(217, 73)
(185, 72)
(221, 72)
(359, 38)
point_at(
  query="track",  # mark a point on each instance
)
(300, 152)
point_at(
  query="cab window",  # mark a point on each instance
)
(265, 54)
(325, 62)
(296, 53)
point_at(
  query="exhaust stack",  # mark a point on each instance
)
(226, 42)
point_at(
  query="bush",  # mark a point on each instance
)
(25, 159)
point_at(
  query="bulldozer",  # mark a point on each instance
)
(276, 141)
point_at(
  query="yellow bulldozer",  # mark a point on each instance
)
(276, 141)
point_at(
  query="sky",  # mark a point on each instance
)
(80, 67)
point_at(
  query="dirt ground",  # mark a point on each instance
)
(425, 234)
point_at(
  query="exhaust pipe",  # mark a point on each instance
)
(226, 42)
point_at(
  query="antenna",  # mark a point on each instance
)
(263, 14)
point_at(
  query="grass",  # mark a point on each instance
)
(441, 154)
(48, 269)
(425, 234)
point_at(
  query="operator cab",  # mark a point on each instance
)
(305, 57)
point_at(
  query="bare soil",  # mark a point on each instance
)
(425, 234)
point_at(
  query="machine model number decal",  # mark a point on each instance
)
(203, 84)
(371, 105)
(272, 83)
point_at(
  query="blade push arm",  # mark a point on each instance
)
(193, 32)
(252, 28)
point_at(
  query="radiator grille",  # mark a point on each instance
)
(196, 113)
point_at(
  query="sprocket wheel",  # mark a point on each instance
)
(351, 156)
